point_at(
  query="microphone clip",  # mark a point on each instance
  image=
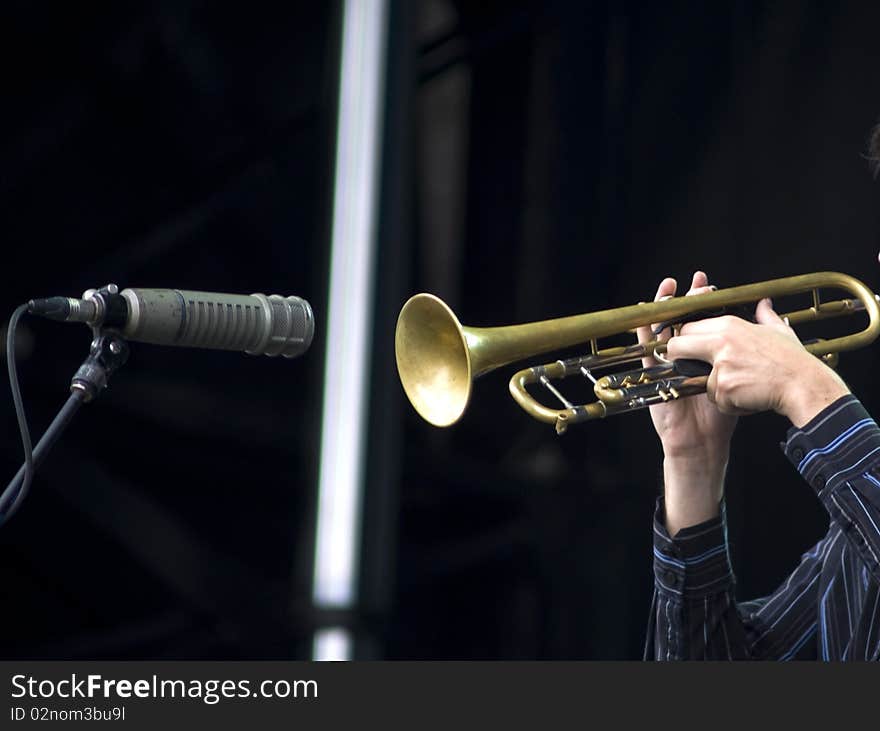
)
(108, 352)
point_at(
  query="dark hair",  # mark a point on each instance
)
(874, 150)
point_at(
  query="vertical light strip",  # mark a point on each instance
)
(349, 317)
(332, 643)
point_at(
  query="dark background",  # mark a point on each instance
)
(540, 159)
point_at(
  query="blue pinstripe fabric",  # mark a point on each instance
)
(828, 608)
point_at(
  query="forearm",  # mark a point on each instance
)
(693, 485)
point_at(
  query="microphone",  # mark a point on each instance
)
(255, 324)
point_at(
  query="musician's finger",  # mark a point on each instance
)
(700, 279)
(698, 347)
(645, 333)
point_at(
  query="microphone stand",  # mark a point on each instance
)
(107, 353)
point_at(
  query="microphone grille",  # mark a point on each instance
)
(293, 326)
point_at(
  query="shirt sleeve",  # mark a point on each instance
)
(694, 614)
(838, 454)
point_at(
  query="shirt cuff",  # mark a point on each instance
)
(834, 446)
(696, 562)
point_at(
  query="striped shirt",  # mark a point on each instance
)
(828, 608)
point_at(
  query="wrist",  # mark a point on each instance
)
(805, 397)
(694, 475)
(691, 458)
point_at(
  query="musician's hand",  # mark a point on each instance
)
(691, 425)
(759, 367)
(695, 436)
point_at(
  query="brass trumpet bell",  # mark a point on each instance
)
(433, 359)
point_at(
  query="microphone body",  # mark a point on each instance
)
(256, 324)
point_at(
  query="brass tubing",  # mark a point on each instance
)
(438, 358)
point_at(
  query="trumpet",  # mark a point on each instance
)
(438, 358)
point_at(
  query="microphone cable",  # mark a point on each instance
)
(17, 489)
(8, 494)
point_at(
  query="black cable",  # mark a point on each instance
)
(107, 353)
(17, 489)
(22, 423)
(76, 399)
